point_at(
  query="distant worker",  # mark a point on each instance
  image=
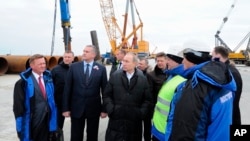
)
(158, 75)
(165, 96)
(202, 108)
(82, 101)
(117, 62)
(127, 100)
(221, 53)
(144, 66)
(59, 73)
(34, 106)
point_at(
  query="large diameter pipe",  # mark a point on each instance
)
(51, 62)
(3, 65)
(17, 63)
(79, 58)
(59, 59)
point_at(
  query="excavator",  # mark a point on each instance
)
(137, 46)
(241, 57)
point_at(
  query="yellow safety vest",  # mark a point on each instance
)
(164, 99)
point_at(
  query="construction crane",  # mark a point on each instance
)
(140, 47)
(65, 23)
(153, 54)
(241, 57)
(218, 40)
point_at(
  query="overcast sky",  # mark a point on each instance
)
(26, 25)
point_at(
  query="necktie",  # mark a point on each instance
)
(120, 65)
(41, 86)
(87, 74)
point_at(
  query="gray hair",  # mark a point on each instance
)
(135, 58)
(93, 47)
(145, 59)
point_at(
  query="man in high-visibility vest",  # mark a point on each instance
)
(165, 96)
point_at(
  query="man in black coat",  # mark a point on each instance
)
(221, 53)
(158, 75)
(59, 73)
(127, 100)
(117, 61)
(82, 102)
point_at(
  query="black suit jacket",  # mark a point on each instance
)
(80, 98)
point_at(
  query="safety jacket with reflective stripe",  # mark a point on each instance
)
(163, 105)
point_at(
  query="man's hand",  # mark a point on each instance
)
(103, 115)
(66, 114)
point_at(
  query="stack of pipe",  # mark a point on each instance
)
(3, 65)
(19, 63)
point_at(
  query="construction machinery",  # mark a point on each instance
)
(115, 33)
(153, 54)
(241, 57)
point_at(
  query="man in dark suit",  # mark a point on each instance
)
(82, 99)
(33, 104)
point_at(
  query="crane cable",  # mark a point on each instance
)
(137, 12)
(54, 28)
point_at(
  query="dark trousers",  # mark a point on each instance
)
(77, 128)
(41, 132)
(236, 111)
(147, 129)
(60, 118)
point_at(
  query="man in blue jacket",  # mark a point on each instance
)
(34, 106)
(201, 109)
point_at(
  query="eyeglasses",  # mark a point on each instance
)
(189, 50)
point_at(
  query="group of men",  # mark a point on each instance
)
(182, 98)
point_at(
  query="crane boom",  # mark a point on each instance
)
(108, 16)
(218, 40)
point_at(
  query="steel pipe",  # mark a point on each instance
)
(17, 63)
(51, 61)
(3, 65)
(79, 58)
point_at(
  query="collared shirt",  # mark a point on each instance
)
(37, 76)
(129, 75)
(120, 65)
(90, 66)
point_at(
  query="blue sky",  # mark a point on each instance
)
(26, 25)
